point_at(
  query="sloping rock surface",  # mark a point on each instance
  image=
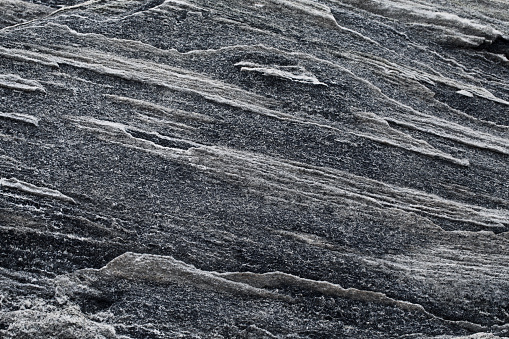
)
(254, 169)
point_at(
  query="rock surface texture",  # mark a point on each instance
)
(254, 169)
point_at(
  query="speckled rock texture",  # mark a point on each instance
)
(254, 169)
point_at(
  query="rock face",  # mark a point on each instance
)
(254, 169)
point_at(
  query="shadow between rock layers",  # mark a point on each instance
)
(254, 169)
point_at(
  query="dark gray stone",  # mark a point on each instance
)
(254, 169)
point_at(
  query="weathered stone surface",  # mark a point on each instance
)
(254, 169)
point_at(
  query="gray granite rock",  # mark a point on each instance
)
(254, 169)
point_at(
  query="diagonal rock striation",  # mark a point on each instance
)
(254, 169)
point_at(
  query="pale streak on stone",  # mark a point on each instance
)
(27, 56)
(67, 76)
(377, 129)
(13, 81)
(26, 187)
(465, 93)
(455, 132)
(281, 279)
(407, 10)
(55, 12)
(414, 119)
(310, 8)
(293, 73)
(18, 117)
(310, 239)
(429, 78)
(181, 3)
(119, 133)
(174, 125)
(322, 13)
(165, 269)
(54, 234)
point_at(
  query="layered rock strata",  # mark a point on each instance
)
(254, 169)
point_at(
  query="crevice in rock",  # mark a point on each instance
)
(499, 45)
(159, 140)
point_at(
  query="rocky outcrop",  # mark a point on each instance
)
(254, 169)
